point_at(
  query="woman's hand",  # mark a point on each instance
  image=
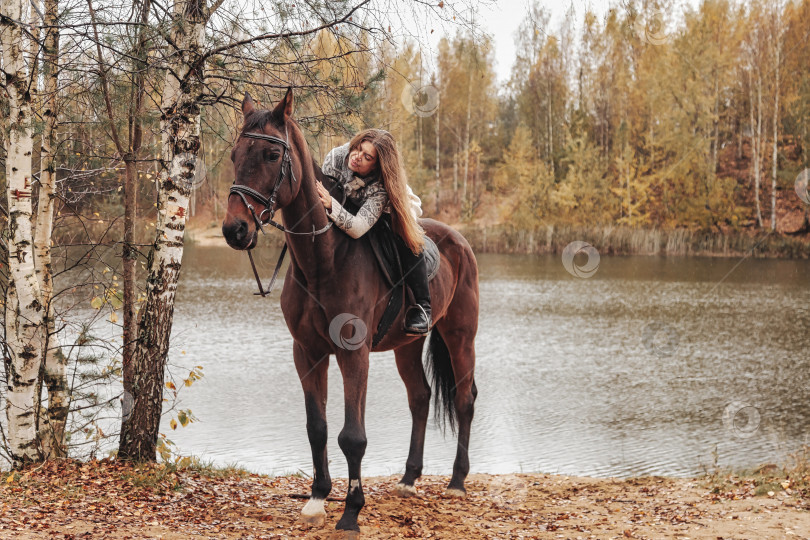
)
(323, 193)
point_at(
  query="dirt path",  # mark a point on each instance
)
(109, 500)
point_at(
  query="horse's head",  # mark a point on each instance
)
(267, 165)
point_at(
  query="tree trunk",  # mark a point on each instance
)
(467, 142)
(130, 253)
(24, 310)
(715, 127)
(180, 128)
(550, 118)
(756, 133)
(778, 47)
(438, 158)
(54, 369)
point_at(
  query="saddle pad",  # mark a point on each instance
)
(432, 259)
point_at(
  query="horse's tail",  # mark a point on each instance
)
(440, 369)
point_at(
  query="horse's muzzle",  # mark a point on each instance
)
(238, 235)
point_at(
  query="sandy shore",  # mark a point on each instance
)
(110, 500)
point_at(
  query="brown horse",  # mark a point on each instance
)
(334, 291)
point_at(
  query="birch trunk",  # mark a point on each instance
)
(24, 310)
(466, 144)
(52, 421)
(180, 133)
(438, 158)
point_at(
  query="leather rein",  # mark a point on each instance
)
(269, 204)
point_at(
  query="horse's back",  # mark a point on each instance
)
(452, 245)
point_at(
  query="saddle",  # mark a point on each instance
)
(383, 244)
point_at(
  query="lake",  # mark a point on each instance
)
(653, 365)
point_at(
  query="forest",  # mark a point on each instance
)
(118, 121)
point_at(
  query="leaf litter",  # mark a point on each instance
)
(71, 500)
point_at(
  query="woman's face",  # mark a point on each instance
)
(363, 160)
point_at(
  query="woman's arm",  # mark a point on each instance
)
(358, 225)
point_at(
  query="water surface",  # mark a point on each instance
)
(652, 366)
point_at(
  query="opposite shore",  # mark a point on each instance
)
(607, 240)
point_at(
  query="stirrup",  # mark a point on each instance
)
(410, 331)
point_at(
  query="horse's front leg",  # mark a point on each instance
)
(352, 439)
(312, 371)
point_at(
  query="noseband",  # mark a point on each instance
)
(270, 202)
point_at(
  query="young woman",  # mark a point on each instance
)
(371, 168)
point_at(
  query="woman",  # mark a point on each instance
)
(371, 169)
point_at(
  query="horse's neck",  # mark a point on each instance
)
(305, 214)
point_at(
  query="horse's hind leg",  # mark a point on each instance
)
(458, 330)
(409, 364)
(312, 371)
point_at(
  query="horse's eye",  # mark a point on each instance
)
(272, 156)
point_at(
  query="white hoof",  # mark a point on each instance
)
(313, 513)
(402, 490)
(455, 493)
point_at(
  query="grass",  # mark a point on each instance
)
(793, 476)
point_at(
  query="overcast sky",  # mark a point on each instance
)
(501, 21)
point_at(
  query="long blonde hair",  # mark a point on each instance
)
(389, 165)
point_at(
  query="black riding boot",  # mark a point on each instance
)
(417, 318)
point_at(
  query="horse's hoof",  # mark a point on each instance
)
(316, 520)
(454, 493)
(404, 490)
(313, 514)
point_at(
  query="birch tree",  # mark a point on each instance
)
(23, 305)
(51, 420)
(180, 145)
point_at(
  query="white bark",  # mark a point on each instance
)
(438, 157)
(24, 310)
(52, 421)
(180, 134)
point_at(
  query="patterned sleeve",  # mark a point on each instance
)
(358, 225)
(334, 161)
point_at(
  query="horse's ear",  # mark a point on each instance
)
(247, 105)
(284, 109)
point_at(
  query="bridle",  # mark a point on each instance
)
(270, 202)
